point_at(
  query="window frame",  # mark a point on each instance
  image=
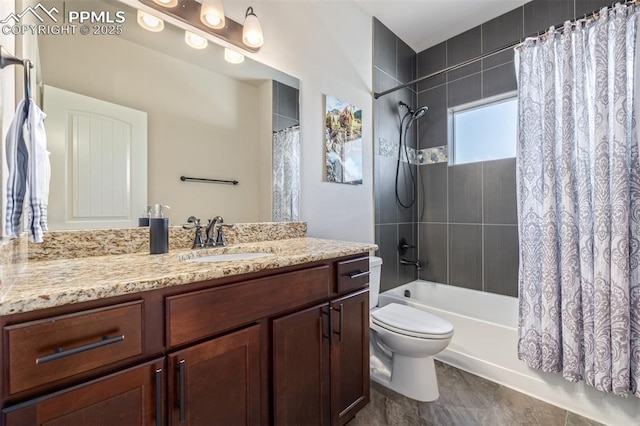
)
(470, 106)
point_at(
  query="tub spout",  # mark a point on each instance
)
(415, 263)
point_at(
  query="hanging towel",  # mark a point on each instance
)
(39, 171)
(17, 157)
(29, 168)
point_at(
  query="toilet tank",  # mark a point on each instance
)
(375, 266)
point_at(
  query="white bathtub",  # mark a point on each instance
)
(485, 343)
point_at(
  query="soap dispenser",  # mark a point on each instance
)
(144, 220)
(158, 230)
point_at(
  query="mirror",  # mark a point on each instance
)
(205, 118)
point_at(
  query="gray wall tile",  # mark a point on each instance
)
(280, 123)
(434, 199)
(406, 191)
(377, 193)
(384, 48)
(501, 259)
(432, 128)
(386, 123)
(406, 65)
(432, 60)
(386, 190)
(501, 31)
(465, 256)
(407, 274)
(389, 255)
(287, 101)
(461, 48)
(539, 15)
(465, 90)
(408, 97)
(465, 193)
(433, 252)
(499, 191)
(587, 6)
(499, 80)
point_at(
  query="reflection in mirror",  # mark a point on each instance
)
(198, 116)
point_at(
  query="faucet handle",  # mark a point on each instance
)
(220, 240)
(192, 222)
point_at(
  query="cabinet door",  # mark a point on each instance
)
(130, 397)
(301, 369)
(217, 382)
(350, 356)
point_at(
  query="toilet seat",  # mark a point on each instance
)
(412, 322)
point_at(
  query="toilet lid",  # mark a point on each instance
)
(412, 321)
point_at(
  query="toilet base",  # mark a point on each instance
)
(414, 378)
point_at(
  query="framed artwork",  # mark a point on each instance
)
(342, 142)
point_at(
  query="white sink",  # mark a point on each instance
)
(229, 257)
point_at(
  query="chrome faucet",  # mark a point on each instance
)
(194, 223)
(215, 239)
(416, 263)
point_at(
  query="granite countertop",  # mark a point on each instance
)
(46, 284)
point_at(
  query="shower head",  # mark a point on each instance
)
(416, 115)
(420, 113)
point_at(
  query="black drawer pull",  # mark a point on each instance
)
(181, 394)
(59, 353)
(359, 274)
(159, 397)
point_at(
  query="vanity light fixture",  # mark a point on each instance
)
(232, 56)
(167, 3)
(195, 40)
(150, 22)
(252, 31)
(212, 14)
(204, 15)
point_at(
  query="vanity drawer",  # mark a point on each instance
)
(43, 351)
(199, 314)
(352, 274)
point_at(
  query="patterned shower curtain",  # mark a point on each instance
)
(579, 203)
(286, 175)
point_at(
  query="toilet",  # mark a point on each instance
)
(403, 343)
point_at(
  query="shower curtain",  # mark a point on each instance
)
(286, 175)
(579, 202)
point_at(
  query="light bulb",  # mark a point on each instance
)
(212, 14)
(195, 41)
(233, 57)
(166, 3)
(252, 31)
(150, 22)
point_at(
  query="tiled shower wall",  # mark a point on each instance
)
(466, 216)
(285, 106)
(394, 63)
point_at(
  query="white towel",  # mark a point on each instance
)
(17, 157)
(39, 171)
(28, 163)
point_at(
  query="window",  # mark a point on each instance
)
(483, 132)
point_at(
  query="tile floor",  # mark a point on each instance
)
(465, 400)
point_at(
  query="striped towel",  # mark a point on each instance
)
(29, 168)
(39, 171)
(17, 157)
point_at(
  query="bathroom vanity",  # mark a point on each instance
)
(155, 340)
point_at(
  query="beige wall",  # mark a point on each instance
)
(201, 124)
(327, 46)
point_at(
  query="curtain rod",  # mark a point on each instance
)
(377, 95)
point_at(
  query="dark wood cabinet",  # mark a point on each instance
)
(217, 382)
(285, 347)
(321, 362)
(350, 357)
(130, 397)
(301, 368)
